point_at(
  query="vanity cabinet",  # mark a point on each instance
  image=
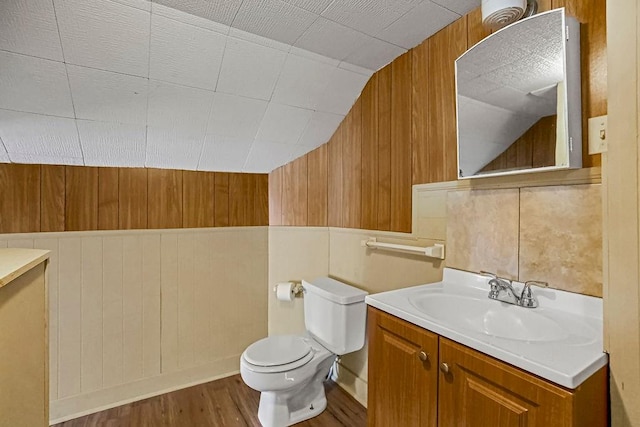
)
(459, 386)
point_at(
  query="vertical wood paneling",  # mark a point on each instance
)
(70, 317)
(197, 199)
(186, 299)
(275, 196)
(91, 314)
(475, 30)
(112, 318)
(260, 199)
(401, 143)
(81, 198)
(19, 198)
(221, 194)
(108, 195)
(294, 200)
(52, 198)
(165, 198)
(169, 301)
(317, 187)
(132, 191)
(384, 148)
(352, 168)
(334, 184)
(132, 282)
(241, 199)
(369, 183)
(151, 279)
(419, 113)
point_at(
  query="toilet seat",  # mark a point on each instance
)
(278, 353)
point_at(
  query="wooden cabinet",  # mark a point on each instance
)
(463, 387)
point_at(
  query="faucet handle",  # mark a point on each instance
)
(528, 300)
(489, 274)
(537, 283)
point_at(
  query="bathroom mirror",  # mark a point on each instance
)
(518, 99)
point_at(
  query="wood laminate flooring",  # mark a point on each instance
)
(227, 402)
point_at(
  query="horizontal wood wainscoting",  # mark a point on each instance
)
(36, 198)
(402, 131)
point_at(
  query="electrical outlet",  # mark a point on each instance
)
(598, 134)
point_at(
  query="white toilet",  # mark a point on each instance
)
(289, 370)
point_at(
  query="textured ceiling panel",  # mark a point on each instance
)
(178, 107)
(34, 85)
(368, 16)
(235, 116)
(107, 96)
(36, 135)
(138, 4)
(273, 129)
(461, 7)
(331, 39)
(105, 35)
(185, 18)
(375, 54)
(267, 156)
(222, 11)
(173, 148)
(299, 151)
(29, 27)
(4, 157)
(273, 19)
(343, 88)
(315, 6)
(301, 82)
(250, 69)
(184, 54)
(225, 154)
(417, 25)
(112, 144)
(320, 128)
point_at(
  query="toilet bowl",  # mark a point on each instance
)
(289, 370)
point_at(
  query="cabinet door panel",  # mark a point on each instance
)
(402, 387)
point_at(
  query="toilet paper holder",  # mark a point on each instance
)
(296, 288)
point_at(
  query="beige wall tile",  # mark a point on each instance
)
(561, 237)
(482, 231)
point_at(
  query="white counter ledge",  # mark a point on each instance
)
(16, 261)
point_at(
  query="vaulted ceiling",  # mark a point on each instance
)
(225, 85)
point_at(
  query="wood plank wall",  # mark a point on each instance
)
(402, 131)
(36, 198)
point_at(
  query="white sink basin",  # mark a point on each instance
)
(489, 317)
(560, 340)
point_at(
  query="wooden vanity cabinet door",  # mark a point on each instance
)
(402, 387)
(480, 391)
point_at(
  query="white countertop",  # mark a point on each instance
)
(567, 362)
(15, 261)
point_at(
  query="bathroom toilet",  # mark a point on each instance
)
(289, 370)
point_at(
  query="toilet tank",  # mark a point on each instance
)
(335, 314)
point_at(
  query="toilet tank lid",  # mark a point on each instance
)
(334, 290)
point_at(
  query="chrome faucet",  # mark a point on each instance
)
(503, 290)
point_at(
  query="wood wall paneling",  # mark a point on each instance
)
(419, 113)
(261, 199)
(52, 198)
(197, 199)
(294, 201)
(241, 199)
(384, 148)
(108, 199)
(352, 168)
(317, 187)
(132, 190)
(475, 30)
(334, 185)
(369, 184)
(401, 143)
(81, 198)
(164, 188)
(221, 195)
(276, 194)
(19, 198)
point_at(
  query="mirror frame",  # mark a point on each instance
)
(573, 101)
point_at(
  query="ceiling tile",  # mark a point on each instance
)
(283, 124)
(299, 151)
(314, 6)
(235, 117)
(224, 154)
(4, 157)
(356, 69)
(301, 82)
(273, 19)
(266, 156)
(417, 25)
(178, 107)
(29, 27)
(249, 69)
(331, 39)
(36, 135)
(368, 16)
(262, 41)
(184, 54)
(375, 54)
(108, 97)
(342, 91)
(112, 144)
(173, 148)
(43, 159)
(34, 85)
(320, 129)
(187, 18)
(105, 35)
(138, 4)
(221, 11)
(461, 7)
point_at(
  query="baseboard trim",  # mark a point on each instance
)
(88, 403)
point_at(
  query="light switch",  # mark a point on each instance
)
(597, 134)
